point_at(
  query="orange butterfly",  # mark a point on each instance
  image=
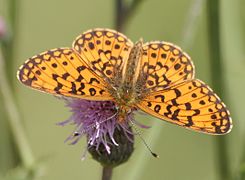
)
(155, 77)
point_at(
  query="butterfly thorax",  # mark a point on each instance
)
(126, 95)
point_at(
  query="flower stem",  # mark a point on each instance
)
(191, 24)
(14, 118)
(124, 12)
(107, 173)
(8, 45)
(218, 81)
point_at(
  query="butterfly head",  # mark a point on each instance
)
(123, 113)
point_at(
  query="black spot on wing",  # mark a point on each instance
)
(92, 91)
(197, 112)
(162, 97)
(188, 106)
(93, 80)
(190, 122)
(157, 108)
(175, 114)
(58, 87)
(73, 88)
(65, 75)
(91, 45)
(81, 68)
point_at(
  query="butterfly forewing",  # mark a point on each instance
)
(191, 104)
(164, 65)
(105, 50)
(63, 72)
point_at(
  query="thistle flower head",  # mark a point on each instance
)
(107, 139)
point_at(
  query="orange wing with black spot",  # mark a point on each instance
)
(63, 72)
(85, 71)
(105, 51)
(191, 104)
(163, 65)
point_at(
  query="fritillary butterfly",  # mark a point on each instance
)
(156, 77)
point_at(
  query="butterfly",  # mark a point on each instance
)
(156, 77)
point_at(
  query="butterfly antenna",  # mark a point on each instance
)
(143, 140)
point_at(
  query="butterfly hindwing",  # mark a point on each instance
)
(191, 104)
(63, 72)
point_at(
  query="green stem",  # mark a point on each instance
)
(124, 12)
(107, 173)
(14, 118)
(191, 24)
(218, 82)
(9, 44)
(120, 8)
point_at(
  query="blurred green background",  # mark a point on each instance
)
(184, 155)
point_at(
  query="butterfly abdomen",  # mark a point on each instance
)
(130, 71)
(126, 92)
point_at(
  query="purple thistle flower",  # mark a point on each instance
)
(98, 121)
